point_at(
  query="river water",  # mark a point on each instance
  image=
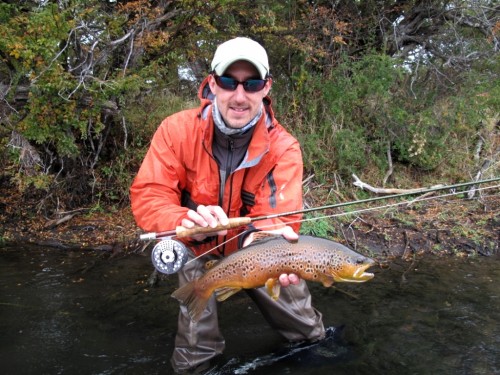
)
(67, 312)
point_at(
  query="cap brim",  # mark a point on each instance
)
(221, 68)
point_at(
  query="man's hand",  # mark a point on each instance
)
(206, 216)
(291, 279)
(289, 234)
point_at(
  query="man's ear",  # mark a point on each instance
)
(211, 83)
(269, 84)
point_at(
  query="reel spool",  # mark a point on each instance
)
(169, 256)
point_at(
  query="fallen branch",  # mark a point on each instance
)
(375, 190)
(68, 215)
(55, 222)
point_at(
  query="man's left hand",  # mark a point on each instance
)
(291, 279)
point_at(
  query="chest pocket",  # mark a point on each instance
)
(257, 177)
(255, 181)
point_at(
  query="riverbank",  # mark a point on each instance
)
(451, 226)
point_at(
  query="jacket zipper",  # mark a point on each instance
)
(223, 172)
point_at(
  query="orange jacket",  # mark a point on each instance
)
(179, 171)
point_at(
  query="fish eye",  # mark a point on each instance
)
(360, 260)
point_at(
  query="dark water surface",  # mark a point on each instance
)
(65, 312)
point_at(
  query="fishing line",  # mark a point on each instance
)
(169, 255)
(384, 206)
(387, 206)
(235, 222)
(413, 192)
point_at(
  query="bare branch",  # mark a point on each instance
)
(357, 182)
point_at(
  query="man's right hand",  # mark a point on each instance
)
(206, 216)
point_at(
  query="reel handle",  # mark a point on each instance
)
(233, 223)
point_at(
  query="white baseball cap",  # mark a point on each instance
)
(240, 49)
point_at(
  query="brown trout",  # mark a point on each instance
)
(261, 263)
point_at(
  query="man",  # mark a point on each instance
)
(228, 158)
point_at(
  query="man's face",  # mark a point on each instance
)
(239, 107)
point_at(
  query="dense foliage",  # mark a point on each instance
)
(400, 90)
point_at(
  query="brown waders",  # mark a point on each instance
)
(291, 315)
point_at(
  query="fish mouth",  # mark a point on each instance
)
(360, 274)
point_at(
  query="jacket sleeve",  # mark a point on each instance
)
(281, 191)
(155, 193)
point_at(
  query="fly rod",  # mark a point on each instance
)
(235, 222)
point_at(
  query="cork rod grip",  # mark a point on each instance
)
(233, 223)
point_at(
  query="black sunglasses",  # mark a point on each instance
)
(250, 85)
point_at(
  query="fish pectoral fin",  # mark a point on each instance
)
(327, 281)
(224, 293)
(210, 263)
(273, 288)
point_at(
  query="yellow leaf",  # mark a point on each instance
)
(339, 39)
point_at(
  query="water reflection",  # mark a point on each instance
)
(86, 313)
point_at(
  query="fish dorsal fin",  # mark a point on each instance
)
(273, 288)
(259, 236)
(224, 293)
(262, 236)
(211, 263)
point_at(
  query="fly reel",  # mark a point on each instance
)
(169, 256)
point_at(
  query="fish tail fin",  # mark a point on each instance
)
(189, 297)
